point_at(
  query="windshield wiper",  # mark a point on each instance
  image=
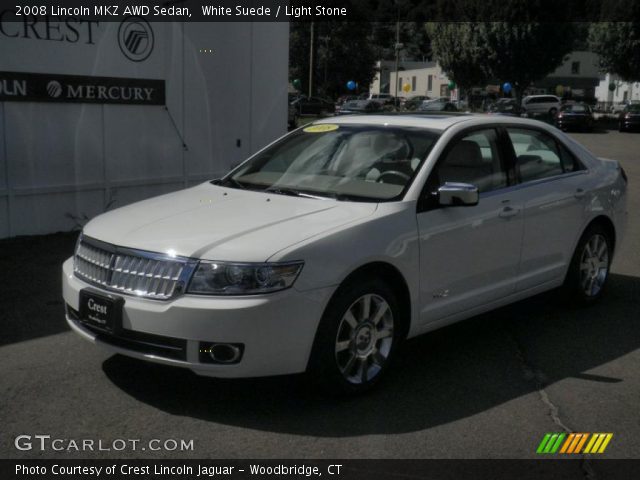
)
(235, 183)
(288, 191)
(349, 197)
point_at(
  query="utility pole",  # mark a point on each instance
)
(397, 48)
(311, 62)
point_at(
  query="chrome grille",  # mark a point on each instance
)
(132, 272)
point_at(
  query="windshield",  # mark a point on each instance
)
(633, 108)
(346, 162)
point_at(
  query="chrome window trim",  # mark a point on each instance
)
(532, 183)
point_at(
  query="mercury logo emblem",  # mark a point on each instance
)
(135, 38)
(54, 89)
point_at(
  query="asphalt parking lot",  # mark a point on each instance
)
(491, 386)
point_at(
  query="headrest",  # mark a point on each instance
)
(465, 153)
(523, 159)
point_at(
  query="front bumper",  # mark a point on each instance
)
(277, 330)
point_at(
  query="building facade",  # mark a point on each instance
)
(612, 90)
(577, 77)
(429, 80)
(116, 112)
(382, 82)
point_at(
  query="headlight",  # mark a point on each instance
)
(222, 278)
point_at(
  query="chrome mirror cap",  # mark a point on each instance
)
(458, 194)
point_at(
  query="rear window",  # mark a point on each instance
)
(575, 109)
(539, 155)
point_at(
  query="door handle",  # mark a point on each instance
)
(508, 212)
(579, 193)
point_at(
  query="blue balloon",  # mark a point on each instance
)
(351, 85)
(506, 87)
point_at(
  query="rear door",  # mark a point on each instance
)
(549, 187)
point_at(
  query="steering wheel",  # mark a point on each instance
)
(394, 173)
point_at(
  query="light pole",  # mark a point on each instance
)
(325, 57)
(397, 48)
(311, 62)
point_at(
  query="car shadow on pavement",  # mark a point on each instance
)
(452, 373)
(31, 282)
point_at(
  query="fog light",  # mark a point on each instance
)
(221, 353)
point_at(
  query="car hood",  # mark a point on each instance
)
(217, 223)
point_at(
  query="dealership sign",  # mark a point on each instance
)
(36, 87)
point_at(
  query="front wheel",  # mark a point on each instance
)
(590, 265)
(357, 338)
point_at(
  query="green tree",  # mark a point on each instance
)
(514, 52)
(521, 53)
(458, 49)
(342, 51)
(618, 44)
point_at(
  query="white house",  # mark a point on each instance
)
(578, 75)
(621, 92)
(429, 80)
(384, 69)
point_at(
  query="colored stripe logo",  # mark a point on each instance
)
(574, 443)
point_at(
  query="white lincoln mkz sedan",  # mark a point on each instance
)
(327, 248)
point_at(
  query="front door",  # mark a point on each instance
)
(469, 255)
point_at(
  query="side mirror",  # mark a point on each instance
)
(458, 194)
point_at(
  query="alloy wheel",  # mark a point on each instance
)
(364, 339)
(594, 265)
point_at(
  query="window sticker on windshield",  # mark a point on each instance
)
(325, 127)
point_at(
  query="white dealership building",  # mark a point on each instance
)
(96, 115)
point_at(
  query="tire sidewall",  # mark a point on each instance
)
(322, 364)
(572, 281)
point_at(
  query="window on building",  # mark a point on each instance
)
(413, 84)
(400, 84)
(575, 68)
(430, 82)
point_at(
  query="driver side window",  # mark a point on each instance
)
(473, 159)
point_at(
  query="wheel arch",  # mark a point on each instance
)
(393, 278)
(607, 224)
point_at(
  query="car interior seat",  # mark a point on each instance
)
(465, 164)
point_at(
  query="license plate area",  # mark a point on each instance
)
(102, 311)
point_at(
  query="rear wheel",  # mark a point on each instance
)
(357, 338)
(590, 265)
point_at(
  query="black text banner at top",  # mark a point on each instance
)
(551, 11)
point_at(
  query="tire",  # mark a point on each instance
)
(352, 349)
(589, 270)
(621, 128)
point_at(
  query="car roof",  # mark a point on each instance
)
(433, 121)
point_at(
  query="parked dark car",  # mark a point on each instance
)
(292, 118)
(361, 106)
(575, 116)
(313, 106)
(629, 118)
(507, 107)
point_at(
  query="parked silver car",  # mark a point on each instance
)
(541, 104)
